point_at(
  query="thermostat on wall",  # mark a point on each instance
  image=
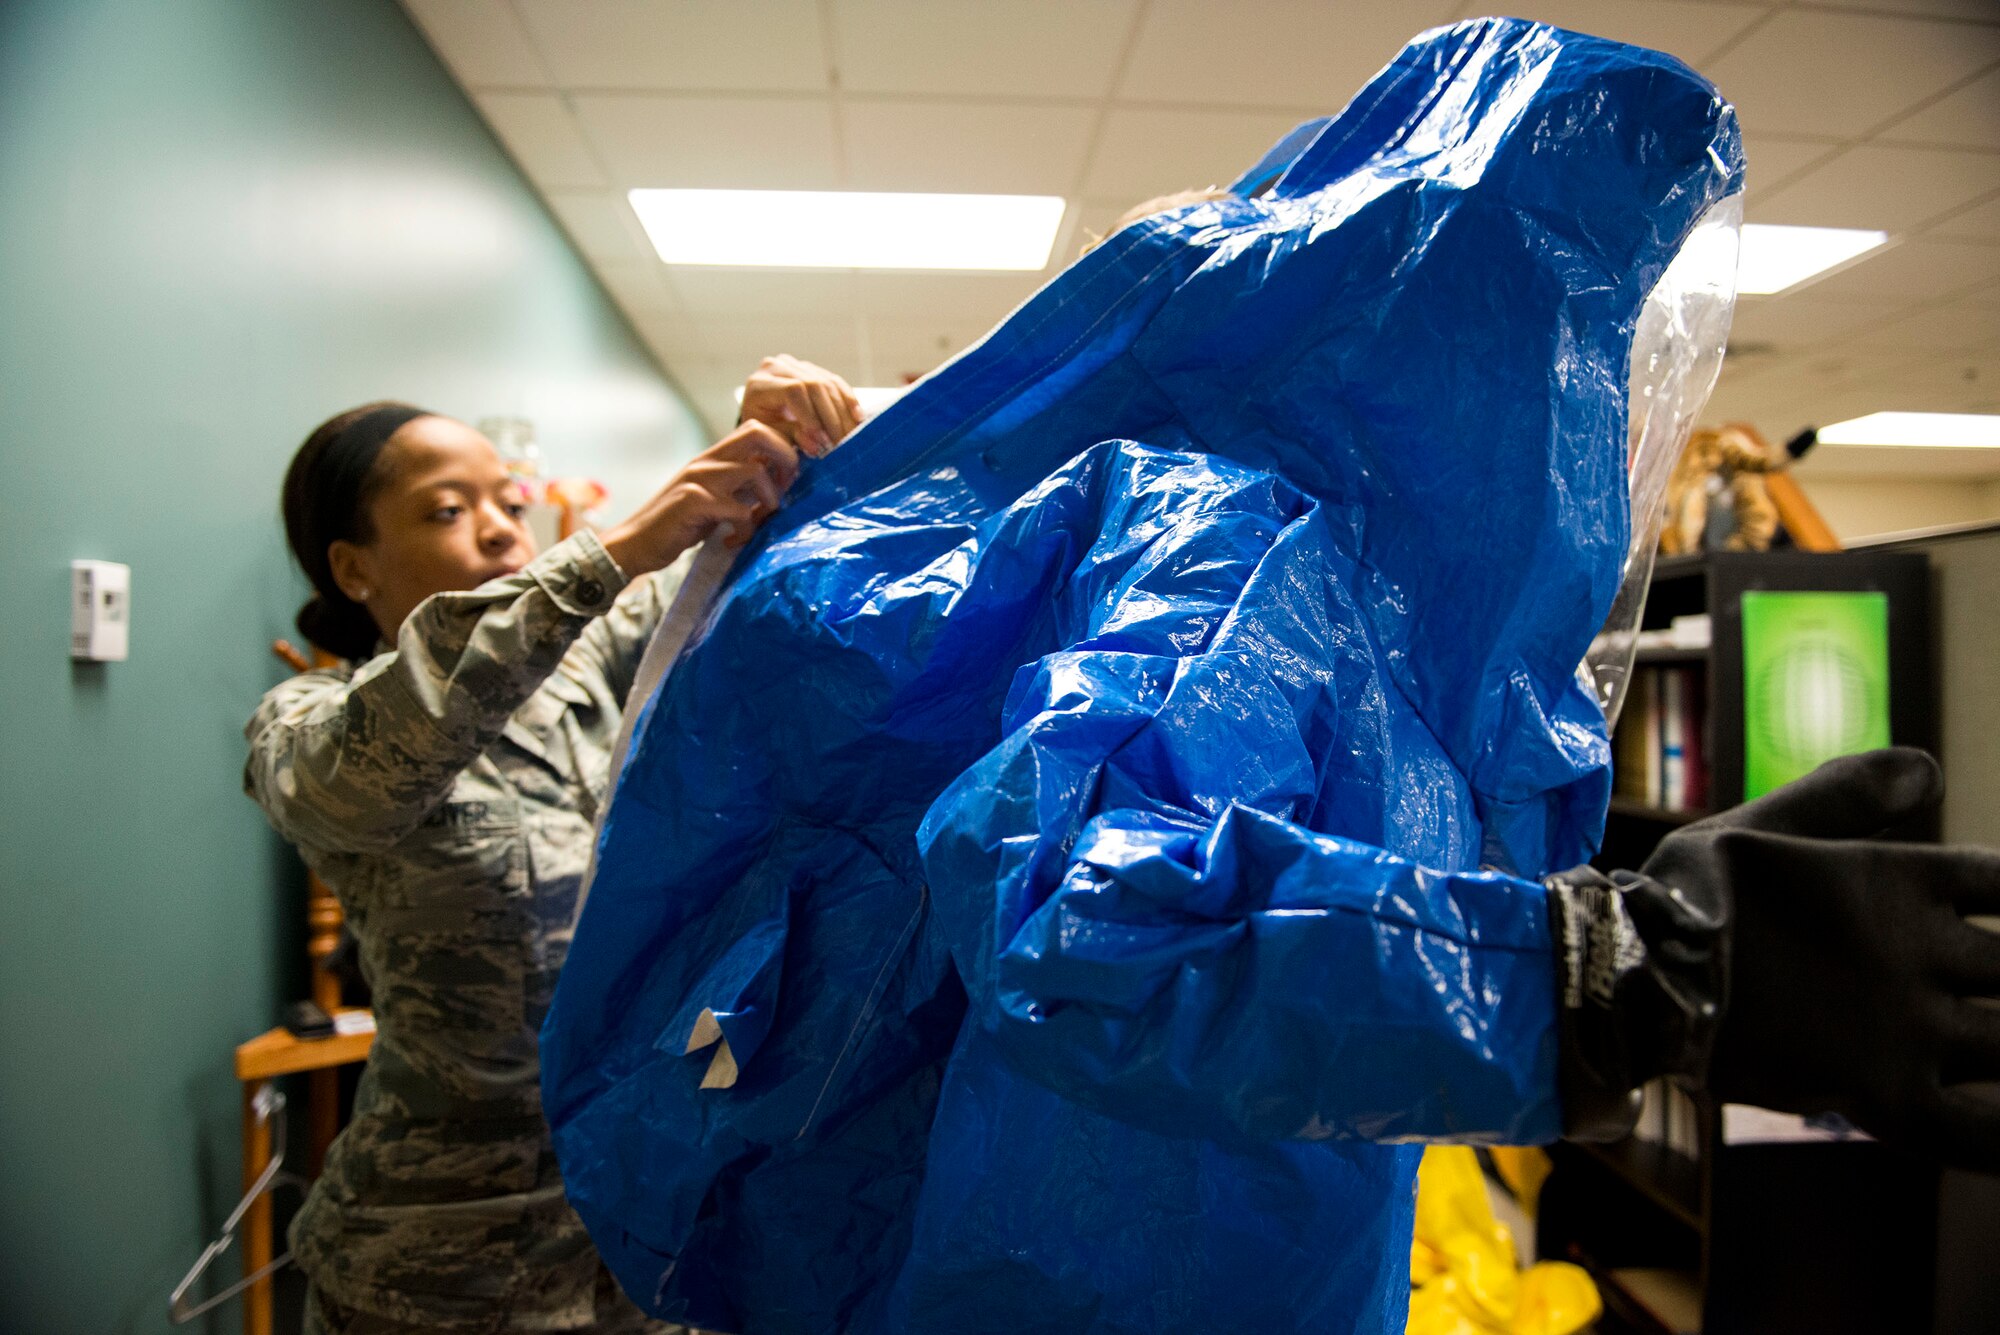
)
(100, 610)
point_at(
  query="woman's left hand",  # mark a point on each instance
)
(809, 405)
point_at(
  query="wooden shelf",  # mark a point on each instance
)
(276, 1052)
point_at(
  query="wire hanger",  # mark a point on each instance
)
(269, 1103)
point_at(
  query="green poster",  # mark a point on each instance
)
(1815, 682)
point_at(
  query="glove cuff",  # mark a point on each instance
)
(1639, 992)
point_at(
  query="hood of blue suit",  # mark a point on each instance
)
(1333, 470)
(1426, 315)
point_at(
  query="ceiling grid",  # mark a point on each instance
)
(1882, 114)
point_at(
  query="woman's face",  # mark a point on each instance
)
(446, 516)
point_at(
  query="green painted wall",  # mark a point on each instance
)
(220, 221)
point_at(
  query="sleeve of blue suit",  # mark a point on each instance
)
(1145, 926)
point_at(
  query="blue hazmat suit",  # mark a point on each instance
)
(1092, 839)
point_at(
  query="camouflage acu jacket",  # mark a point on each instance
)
(446, 792)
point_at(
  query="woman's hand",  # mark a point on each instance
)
(738, 481)
(809, 405)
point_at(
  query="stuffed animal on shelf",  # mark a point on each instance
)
(1719, 484)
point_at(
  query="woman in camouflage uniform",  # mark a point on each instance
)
(446, 788)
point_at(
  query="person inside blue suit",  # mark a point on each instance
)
(1118, 810)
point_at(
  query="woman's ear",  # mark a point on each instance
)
(353, 570)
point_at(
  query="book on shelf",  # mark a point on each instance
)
(1659, 754)
(1673, 753)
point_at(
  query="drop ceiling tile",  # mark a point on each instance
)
(1690, 30)
(1920, 269)
(1895, 189)
(675, 335)
(1968, 118)
(1790, 323)
(705, 44)
(1866, 362)
(1818, 72)
(1275, 53)
(679, 341)
(902, 349)
(711, 389)
(543, 137)
(973, 48)
(1981, 222)
(1814, 401)
(736, 346)
(981, 298)
(601, 224)
(480, 42)
(1779, 418)
(1838, 387)
(1094, 218)
(1958, 328)
(982, 148)
(728, 294)
(1979, 10)
(1864, 374)
(1773, 159)
(712, 142)
(1959, 383)
(637, 286)
(1736, 399)
(1142, 152)
(1746, 360)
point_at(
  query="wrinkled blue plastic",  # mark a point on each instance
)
(1070, 813)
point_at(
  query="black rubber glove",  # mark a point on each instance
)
(1847, 966)
(1852, 967)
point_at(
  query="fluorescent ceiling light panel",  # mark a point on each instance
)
(1962, 430)
(1777, 258)
(848, 229)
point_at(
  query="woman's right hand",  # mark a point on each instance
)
(738, 481)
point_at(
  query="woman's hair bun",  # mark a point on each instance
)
(342, 628)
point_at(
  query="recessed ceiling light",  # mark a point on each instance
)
(1776, 258)
(1963, 430)
(842, 229)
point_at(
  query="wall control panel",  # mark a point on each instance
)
(100, 611)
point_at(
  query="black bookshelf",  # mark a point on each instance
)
(1821, 1237)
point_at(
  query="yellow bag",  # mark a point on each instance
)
(1523, 1168)
(1462, 1263)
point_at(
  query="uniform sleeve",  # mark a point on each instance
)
(353, 764)
(1205, 967)
(613, 645)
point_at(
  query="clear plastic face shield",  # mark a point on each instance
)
(1676, 355)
